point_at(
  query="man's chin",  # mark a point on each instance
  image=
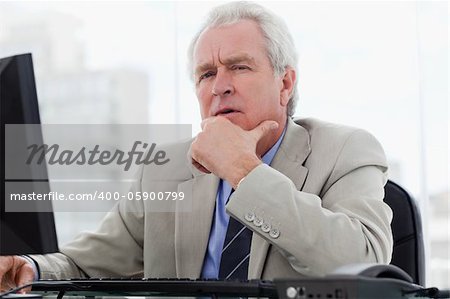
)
(235, 117)
(238, 119)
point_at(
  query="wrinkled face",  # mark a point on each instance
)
(234, 77)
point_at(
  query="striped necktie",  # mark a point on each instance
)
(236, 251)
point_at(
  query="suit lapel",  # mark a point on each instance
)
(193, 224)
(289, 159)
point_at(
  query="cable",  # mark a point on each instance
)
(16, 289)
(61, 295)
(52, 284)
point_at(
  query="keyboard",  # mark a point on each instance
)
(328, 287)
(156, 287)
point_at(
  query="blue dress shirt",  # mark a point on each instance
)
(219, 226)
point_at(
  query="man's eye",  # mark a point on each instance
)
(240, 67)
(205, 75)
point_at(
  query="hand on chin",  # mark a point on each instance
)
(226, 149)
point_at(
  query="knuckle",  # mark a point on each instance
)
(27, 267)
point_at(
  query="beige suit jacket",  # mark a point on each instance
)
(323, 193)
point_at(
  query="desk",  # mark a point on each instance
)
(329, 287)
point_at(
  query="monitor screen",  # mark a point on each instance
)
(21, 232)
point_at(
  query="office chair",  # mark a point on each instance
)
(406, 227)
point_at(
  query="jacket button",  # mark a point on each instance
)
(258, 221)
(266, 227)
(274, 233)
(249, 216)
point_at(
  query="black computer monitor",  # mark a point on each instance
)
(21, 232)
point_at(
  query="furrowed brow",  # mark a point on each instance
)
(203, 68)
(239, 59)
(244, 58)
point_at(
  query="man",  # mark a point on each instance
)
(319, 204)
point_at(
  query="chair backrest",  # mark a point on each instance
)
(406, 227)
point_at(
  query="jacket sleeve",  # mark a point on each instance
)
(347, 222)
(113, 250)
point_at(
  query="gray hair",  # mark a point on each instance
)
(279, 43)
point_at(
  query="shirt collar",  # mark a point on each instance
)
(268, 157)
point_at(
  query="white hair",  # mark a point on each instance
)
(279, 43)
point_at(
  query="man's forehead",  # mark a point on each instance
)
(241, 38)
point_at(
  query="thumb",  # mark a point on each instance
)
(264, 128)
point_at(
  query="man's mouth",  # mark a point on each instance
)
(225, 111)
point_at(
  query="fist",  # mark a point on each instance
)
(15, 271)
(227, 150)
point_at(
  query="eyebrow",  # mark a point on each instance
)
(227, 61)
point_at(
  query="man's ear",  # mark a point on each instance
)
(287, 85)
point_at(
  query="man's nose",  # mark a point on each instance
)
(223, 85)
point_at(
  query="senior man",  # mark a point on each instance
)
(304, 196)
